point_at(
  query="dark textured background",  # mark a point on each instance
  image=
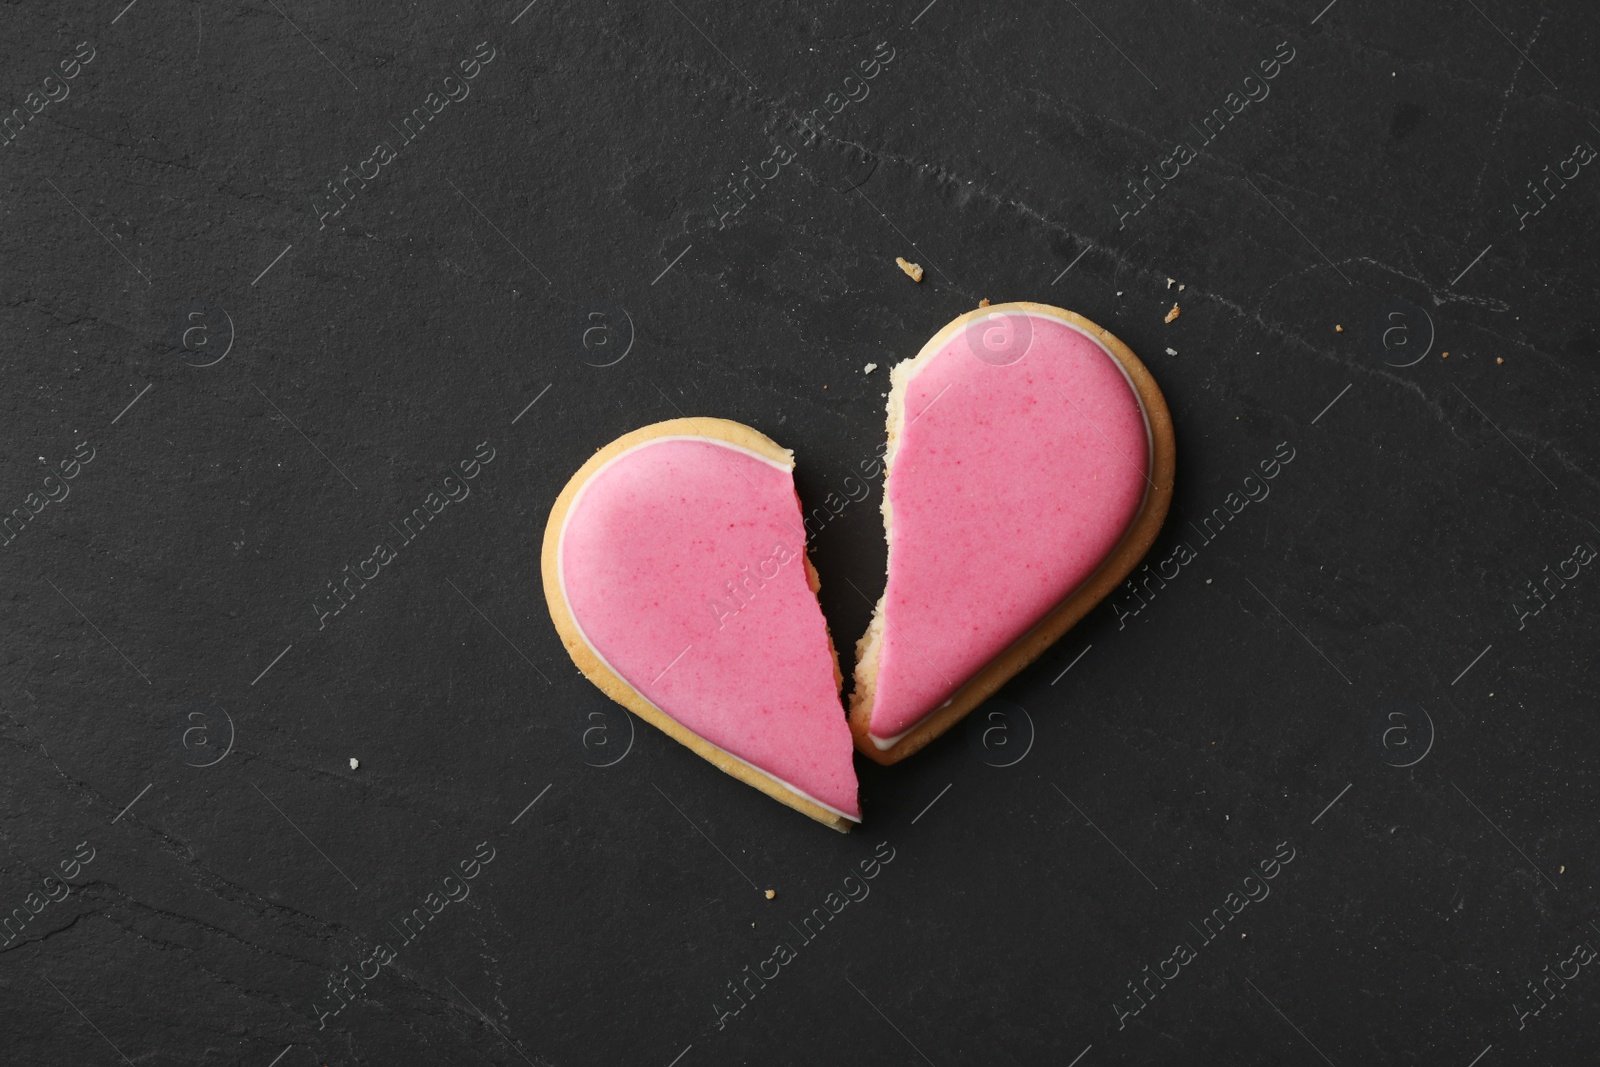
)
(164, 213)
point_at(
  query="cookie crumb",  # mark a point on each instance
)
(773, 892)
(1497, 359)
(1337, 328)
(1174, 313)
(869, 368)
(1172, 351)
(913, 270)
(1444, 355)
(984, 302)
(354, 763)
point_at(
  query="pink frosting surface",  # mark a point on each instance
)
(1010, 484)
(681, 562)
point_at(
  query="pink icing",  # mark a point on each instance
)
(681, 563)
(1009, 485)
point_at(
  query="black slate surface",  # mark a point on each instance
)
(1352, 685)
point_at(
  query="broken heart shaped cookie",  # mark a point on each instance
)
(675, 570)
(1029, 468)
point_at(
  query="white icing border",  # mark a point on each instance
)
(882, 744)
(561, 579)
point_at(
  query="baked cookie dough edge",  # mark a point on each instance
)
(607, 680)
(1136, 542)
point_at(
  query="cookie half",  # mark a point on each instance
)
(1029, 468)
(675, 570)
